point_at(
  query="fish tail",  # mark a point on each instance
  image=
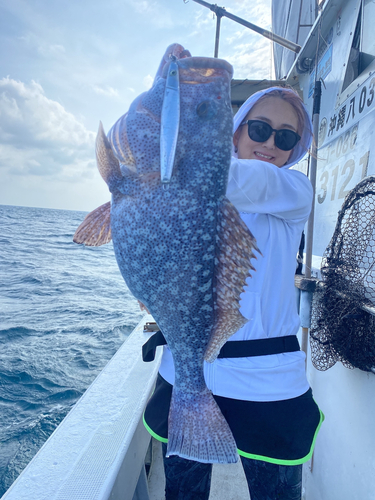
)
(197, 430)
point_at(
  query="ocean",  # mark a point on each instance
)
(64, 312)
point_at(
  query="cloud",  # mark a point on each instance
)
(34, 44)
(203, 22)
(38, 137)
(257, 12)
(151, 9)
(106, 91)
(54, 50)
(251, 60)
(246, 50)
(148, 81)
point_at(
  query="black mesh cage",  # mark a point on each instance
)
(342, 323)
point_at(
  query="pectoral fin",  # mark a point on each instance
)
(95, 230)
(236, 247)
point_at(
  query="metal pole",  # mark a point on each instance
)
(313, 169)
(268, 34)
(316, 8)
(218, 20)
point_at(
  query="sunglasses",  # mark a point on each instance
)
(259, 131)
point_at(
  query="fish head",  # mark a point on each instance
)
(204, 134)
(202, 130)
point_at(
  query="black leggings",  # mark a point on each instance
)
(190, 480)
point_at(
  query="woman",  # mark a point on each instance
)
(264, 396)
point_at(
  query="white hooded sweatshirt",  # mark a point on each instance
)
(275, 204)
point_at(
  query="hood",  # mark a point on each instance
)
(302, 146)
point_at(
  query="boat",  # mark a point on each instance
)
(101, 450)
(339, 51)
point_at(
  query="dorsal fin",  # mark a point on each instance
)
(108, 164)
(235, 251)
(95, 230)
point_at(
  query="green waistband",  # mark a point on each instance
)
(259, 457)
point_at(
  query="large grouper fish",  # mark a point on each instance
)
(181, 246)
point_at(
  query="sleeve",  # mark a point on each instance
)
(259, 187)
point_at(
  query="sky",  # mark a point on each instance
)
(66, 65)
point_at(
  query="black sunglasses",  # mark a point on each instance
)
(259, 131)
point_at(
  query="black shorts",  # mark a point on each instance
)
(280, 432)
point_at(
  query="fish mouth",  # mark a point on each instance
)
(201, 69)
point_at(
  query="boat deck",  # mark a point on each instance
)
(228, 480)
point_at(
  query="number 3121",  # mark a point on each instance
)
(347, 171)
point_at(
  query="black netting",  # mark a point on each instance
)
(343, 328)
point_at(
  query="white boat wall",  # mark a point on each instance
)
(340, 50)
(98, 451)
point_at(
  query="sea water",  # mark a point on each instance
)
(64, 312)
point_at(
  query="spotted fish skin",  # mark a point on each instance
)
(169, 239)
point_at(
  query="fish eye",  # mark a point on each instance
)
(202, 108)
(207, 109)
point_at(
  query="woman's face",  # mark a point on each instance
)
(277, 113)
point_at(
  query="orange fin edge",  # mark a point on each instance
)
(236, 250)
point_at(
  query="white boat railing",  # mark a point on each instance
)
(98, 451)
